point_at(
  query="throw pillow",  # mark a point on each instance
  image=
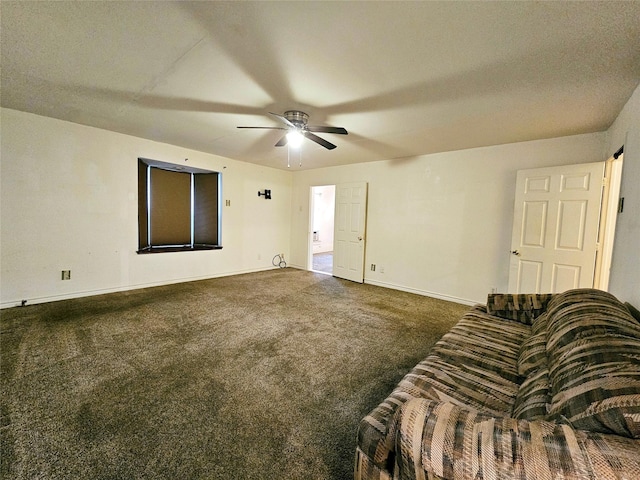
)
(521, 307)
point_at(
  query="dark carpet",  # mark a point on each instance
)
(257, 376)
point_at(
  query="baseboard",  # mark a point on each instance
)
(425, 293)
(103, 291)
(88, 293)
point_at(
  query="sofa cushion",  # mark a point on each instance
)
(539, 324)
(532, 401)
(521, 307)
(474, 364)
(593, 349)
(533, 354)
(533, 398)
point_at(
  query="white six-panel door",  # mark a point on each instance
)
(555, 228)
(349, 230)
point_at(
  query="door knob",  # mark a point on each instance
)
(515, 252)
(360, 238)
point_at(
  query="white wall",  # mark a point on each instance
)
(625, 267)
(69, 201)
(440, 224)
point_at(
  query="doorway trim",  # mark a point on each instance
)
(313, 190)
(608, 217)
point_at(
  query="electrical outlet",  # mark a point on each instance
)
(227, 203)
(381, 269)
(494, 290)
(373, 267)
(66, 274)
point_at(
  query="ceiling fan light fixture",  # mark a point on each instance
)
(295, 123)
(294, 138)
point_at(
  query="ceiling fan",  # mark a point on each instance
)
(295, 122)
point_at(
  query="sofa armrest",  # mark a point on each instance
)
(437, 439)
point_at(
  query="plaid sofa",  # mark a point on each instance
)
(526, 387)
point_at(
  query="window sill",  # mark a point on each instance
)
(194, 248)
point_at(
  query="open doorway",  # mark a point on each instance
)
(321, 223)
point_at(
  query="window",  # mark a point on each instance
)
(178, 208)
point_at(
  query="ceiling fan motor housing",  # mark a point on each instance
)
(296, 117)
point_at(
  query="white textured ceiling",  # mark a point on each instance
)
(404, 78)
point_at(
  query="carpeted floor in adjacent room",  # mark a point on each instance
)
(257, 376)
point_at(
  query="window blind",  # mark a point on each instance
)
(205, 222)
(178, 208)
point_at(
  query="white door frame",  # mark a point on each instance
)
(608, 217)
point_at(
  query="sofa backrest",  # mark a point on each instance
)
(593, 353)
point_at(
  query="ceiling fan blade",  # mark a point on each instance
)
(322, 129)
(268, 128)
(319, 141)
(282, 119)
(282, 142)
